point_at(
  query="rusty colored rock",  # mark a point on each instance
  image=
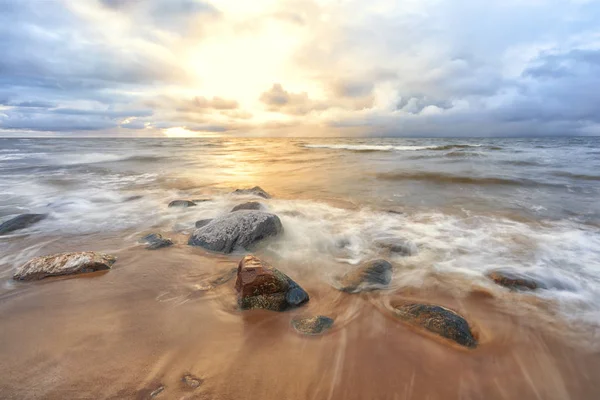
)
(259, 285)
(513, 280)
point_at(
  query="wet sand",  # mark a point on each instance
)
(126, 333)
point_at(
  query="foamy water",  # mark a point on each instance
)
(466, 207)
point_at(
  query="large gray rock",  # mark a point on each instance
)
(255, 191)
(259, 285)
(240, 229)
(20, 222)
(63, 264)
(371, 275)
(439, 321)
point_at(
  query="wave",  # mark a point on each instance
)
(454, 146)
(582, 177)
(439, 177)
(370, 148)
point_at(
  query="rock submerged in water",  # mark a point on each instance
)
(404, 247)
(251, 205)
(156, 241)
(312, 325)
(438, 320)
(369, 276)
(64, 264)
(191, 381)
(513, 280)
(181, 203)
(259, 285)
(255, 191)
(200, 223)
(239, 229)
(20, 222)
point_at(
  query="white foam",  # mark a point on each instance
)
(360, 147)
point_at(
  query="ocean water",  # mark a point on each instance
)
(466, 206)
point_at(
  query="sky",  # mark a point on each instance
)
(299, 68)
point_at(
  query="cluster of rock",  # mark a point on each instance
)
(261, 286)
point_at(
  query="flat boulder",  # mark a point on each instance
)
(240, 229)
(312, 325)
(259, 285)
(182, 203)
(514, 280)
(20, 222)
(64, 264)
(156, 241)
(439, 321)
(371, 275)
(251, 205)
(255, 191)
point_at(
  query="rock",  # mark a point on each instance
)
(20, 222)
(514, 280)
(369, 276)
(255, 191)
(251, 205)
(312, 325)
(259, 285)
(156, 241)
(400, 246)
(133, 198)
(200, 200)
(64, 264)
(182, 203)
(202, 222)
(191, 381)
(438, 320)
(239, 229)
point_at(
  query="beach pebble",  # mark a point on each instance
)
(514, 280)
(368, 276)
(240, 229)
(191, 381)
(156, 241)
(259, 285)
(251, 205)
(20, 222)
(399, 246)
(64, 264)
(312, 325)
(255, 191)
(438, 320)
(182, 203)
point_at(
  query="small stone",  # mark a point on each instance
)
(400, 246)
(156, 241)
(251, 205)
(20, 222)
(63, 264)
(259, 285)
(200, 200)
(191, 381)
(514, 280)
(312, 325)
(438, 320)
(200, 223)
(182, 203)
(157, 391)
(255, 191)
(369, 276)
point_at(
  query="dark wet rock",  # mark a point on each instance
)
(182, 203)
(255, 191)
(133, 198)
(156, 241)
(64, 264)
(438, 320)
(397, 212)
(202, 222)
(369, 276)
(191, 381)
(514, 280)
(259, 285)
(251, 205)
(240, 229)
(399, 246)
(312, 325)
(200, 200)
(20, 222)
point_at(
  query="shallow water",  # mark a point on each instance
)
(466, 206)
